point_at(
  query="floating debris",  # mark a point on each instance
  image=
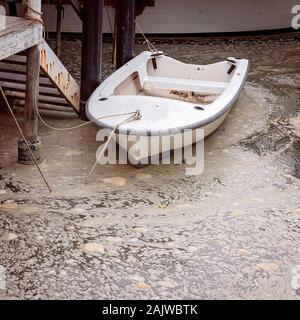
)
(271, 139)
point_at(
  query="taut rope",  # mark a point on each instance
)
(28, 7)
(109, 20)
(23, 137)
(134, 113)
(150, 45)
(136, 116)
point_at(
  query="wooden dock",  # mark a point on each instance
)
(23, 54)
(18, 34)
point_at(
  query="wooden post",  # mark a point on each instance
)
(91, 50)
(114, 36)
(77, 7)
(31, 95)
(125, 31)
(12, 7)
(59, 10)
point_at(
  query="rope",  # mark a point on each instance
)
(39, 19)
(109, 20)
(135, 116)
(27, 6)
(150, 45)
(24, 139)
(85, 123)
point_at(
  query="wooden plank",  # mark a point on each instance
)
(16, 59)
(185, 84)
(32, 83)
(59, 76)
(18, 34)
(46, 106)
(46, 98)
(13, 79)
(77, 8)
(21, 78)
(15, 68)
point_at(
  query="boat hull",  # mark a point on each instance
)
(142, 153)
(174, 101)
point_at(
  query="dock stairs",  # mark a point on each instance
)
(58, 91)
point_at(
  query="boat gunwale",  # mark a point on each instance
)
(234, 85)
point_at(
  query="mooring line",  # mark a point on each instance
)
(23, 136)
(150, 45)
(136, 116)
(82, 124)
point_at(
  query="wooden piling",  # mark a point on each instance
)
(125, 31)
(12, 8)
(31, 93)
(59, 11)
(77, 8)
(91, 50)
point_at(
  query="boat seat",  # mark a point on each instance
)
(184, 85)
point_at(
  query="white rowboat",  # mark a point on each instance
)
(171, 96)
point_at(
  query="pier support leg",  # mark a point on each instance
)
(12, 7)
(31, 100)
(30, 113)
(59, 11)
(125, 31)
(91, 51)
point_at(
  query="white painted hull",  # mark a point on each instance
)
(194, 16)
(172, 98)
(137, 155)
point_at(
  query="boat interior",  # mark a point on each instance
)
(168, 78)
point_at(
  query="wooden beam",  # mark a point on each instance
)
(32, 82)
(125, 31)
(60, 76)
(13, 70)
(59, 11)
(18, 34)
(91, 50)
(31, 97)
(77, 8)
(12, 8)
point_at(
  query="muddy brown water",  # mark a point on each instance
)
(155, 232)
(271, 93)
